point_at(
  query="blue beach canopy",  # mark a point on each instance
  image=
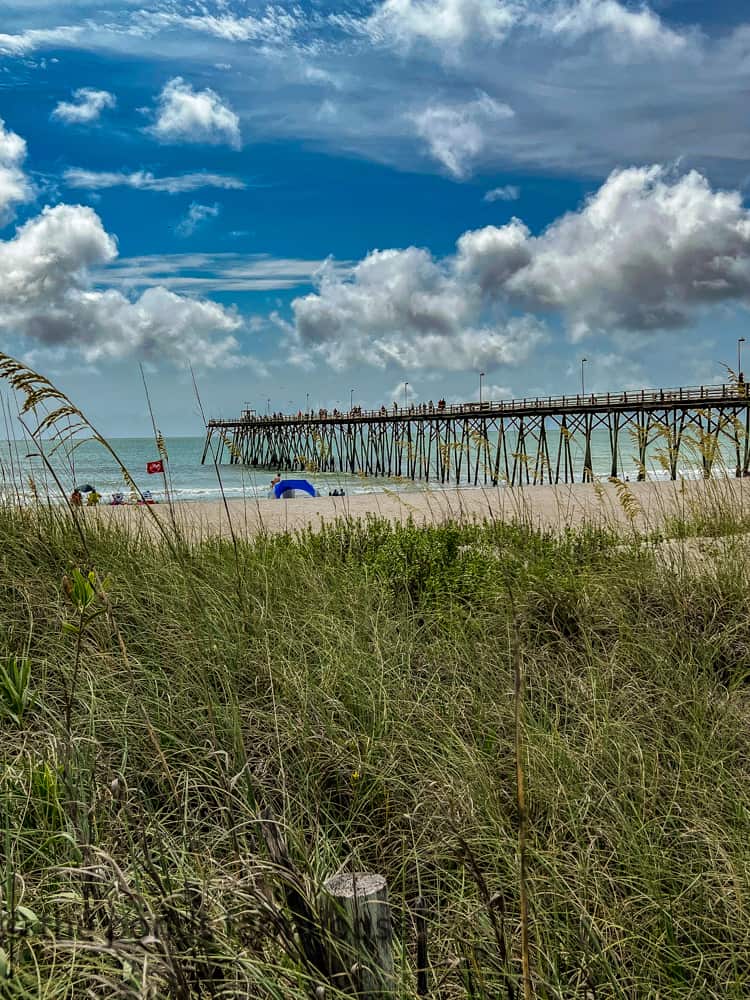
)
(293, 484)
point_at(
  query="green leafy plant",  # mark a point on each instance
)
(16, 696)
(81, 591)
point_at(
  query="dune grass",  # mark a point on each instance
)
(355, 687)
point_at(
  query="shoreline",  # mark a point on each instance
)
(640, 506)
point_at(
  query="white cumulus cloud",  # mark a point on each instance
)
(187, 115)
(196, 214)
(86, 106)
(15, 187)
(402, 307)
(46, 296)
(143, 180)
(646, 252)
(643, 253)
(457, 134)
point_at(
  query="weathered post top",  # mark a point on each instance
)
(357, 916)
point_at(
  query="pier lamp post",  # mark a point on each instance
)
(351, 400)
(268, 407)
(406, 395)
(307, 402)
(481, 376)
(740, 342)
(583, 381)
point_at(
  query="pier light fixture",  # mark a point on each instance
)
(481, 376)
(268, 406)
(351, 400)
(583, 380)
(740, 342)
(307, 402)
(406, 395)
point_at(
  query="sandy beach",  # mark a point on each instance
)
(551, 507)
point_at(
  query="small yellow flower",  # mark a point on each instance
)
(355, 775)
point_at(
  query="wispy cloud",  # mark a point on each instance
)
(508, 192)
(86, 106)
(27, 41)
(218, 272)
(276, 25)
(457, 134)
(447, 24)
(144, 180)
(196, 214)
(407, 73)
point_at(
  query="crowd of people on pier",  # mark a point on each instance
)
(356, 411)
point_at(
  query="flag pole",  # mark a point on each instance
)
(159, 440)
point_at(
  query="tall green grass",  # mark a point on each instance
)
(356, 686)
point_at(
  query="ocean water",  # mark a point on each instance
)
(90, 465)
(187, 479)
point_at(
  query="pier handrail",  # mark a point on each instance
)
(629, 397)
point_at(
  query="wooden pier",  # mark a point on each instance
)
(521, 441)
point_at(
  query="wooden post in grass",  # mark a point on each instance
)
(359, 935)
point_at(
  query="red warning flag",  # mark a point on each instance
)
(152, 467)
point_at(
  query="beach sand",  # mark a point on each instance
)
(551, 507)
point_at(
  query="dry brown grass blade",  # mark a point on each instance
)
(627, 499)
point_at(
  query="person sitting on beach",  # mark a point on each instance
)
(93, 498)
(118, 500)
(76, 498)
(276, 479)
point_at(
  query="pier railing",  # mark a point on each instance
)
(635, 398)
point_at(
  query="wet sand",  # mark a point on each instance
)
(645, 506)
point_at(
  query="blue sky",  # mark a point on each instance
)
(307, 198)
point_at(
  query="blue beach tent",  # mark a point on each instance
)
(285, 489)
